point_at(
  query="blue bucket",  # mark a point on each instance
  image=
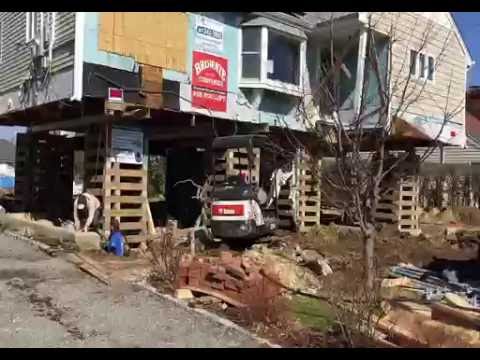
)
(7, 182)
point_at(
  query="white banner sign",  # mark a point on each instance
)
(127, 146)
(209, 34)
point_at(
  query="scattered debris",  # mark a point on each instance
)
(184, 294)
(284, 267)
(233, 279)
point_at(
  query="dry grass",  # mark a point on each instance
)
(166, 259)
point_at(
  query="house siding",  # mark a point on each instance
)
(16, 56)
(450, 76)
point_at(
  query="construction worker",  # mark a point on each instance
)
(86, 211)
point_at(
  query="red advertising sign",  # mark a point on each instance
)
(209, 81)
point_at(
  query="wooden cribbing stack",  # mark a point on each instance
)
(121, 188)
(399, 205)
(299, 200)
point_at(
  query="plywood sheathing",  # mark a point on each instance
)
(152, 38)
(152, 85)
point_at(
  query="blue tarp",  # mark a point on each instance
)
(7, 182)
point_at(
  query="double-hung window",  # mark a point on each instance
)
(422, 66)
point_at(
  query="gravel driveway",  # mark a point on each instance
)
(48, 302)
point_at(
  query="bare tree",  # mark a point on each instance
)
(358, 138)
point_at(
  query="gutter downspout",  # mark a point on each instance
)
(78, 61)
(53, 36)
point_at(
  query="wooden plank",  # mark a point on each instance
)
(216, 294)
(285, 212)
(133, 226)
(127, 172)
(89, 269)
(127, 199)
(456, 316)
(303, 209)
(152, 85)
(127, 212)
(309, 218)
(135, 239)
(413, 194)
(127, 186)
(382, 216)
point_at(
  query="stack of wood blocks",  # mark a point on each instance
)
(286, 206)
(408, 206)
(121, 188)
(299, 201)
(308, 197)
(399, 205)
(235, 161)
(125, 199)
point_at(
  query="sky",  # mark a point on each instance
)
(467, 22)
(469, 25)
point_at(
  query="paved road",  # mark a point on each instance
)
(46, 302)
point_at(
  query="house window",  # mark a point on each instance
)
(271, 59)
(251, 53)
(422, 66)
(283, 58)
(431, 68)
(413, 62)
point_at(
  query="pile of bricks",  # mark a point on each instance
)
(234, 279)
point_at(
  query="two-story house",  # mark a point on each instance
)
(177, 80)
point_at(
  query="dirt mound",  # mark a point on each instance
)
(435, 216)
(468, 215)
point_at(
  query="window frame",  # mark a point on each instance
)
(419, 73)
(264, 82)
(259, 53)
